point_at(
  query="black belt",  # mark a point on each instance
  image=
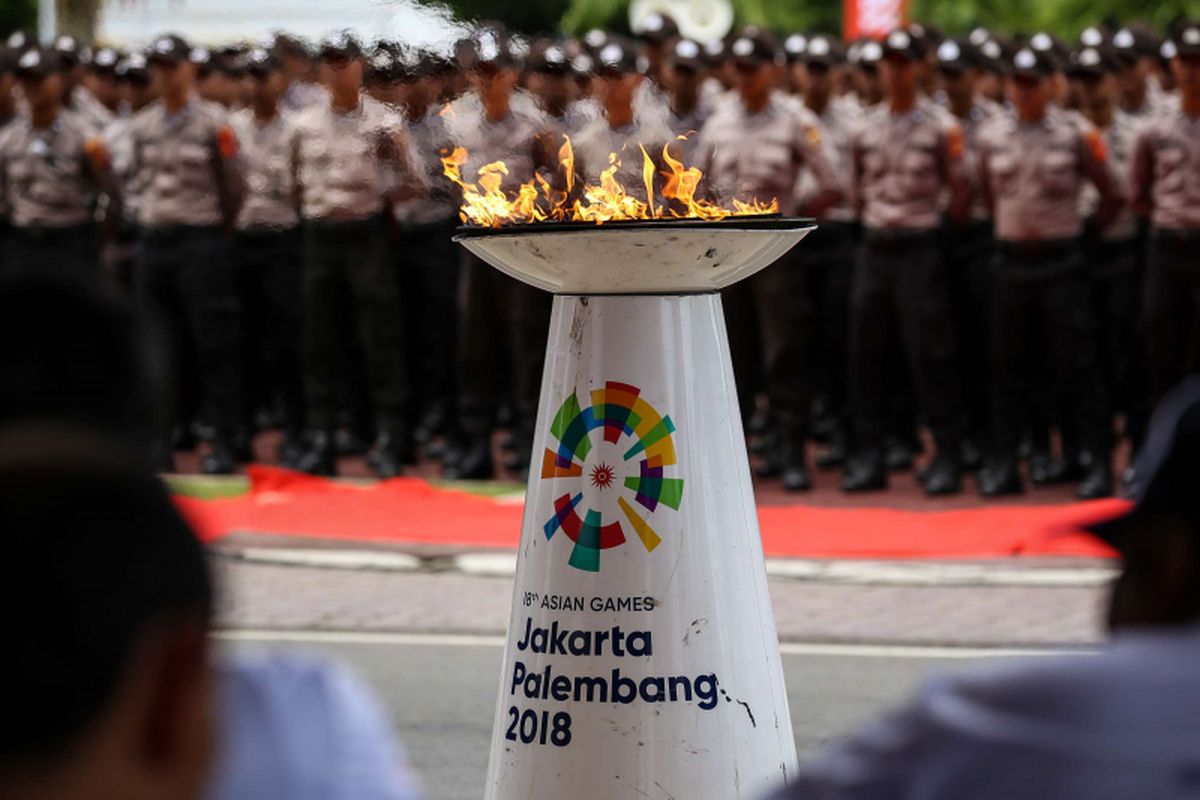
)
(1186, 236)
(173, 232)
(41, 233)
(343, 225)
(1043, 250)
(900, 236)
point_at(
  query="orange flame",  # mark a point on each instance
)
(487, 204)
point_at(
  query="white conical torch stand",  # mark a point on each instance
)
(642, 657)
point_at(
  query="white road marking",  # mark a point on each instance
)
(998, 573)
(787, 648)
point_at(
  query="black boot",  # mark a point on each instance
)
(944, 475)
(473, 462)
(866, 473)
(1098, 482)
(795, 474)
(898, 454)
(835, 456)
(1001, 477)
(219, 460)
(320, 456)
(291, 450)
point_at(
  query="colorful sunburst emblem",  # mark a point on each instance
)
(620, 412)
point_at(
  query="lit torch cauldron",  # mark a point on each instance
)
(642, 657)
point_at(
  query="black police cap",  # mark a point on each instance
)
(823, 50)
(957, 55)
(548, 56)
(1091, 62)
(1030, 63)
(37, 62)
(657, 28)
(900, 43)
(1186, 39)
(687, 55)
(493, 49)
(260, 62)
(755, 46)
(618, 56)
(340, 46)
(105, 60)
(169, 48)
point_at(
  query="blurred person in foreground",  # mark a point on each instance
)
(112, 687)
(1116, 725)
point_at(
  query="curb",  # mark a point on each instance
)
(992, 574)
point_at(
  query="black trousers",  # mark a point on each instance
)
(504, 324)
(185, 281)
(1118, 302)
(828, 257)
(900, 284)
(772, 309)
(969, 251)
(427, 264)
(1041, 308)
(350, 289)
(269, 272)
(70, 252)
(1172, 309)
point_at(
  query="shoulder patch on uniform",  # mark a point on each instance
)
(227, 142)
(813, 135)
(1096, 145)
(96, 152)
(956, 143)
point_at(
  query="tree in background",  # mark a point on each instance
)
(17, 15)
(1063, 17)
(77, 17)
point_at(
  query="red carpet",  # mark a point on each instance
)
(409, 510)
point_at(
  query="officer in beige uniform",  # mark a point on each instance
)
(828, 255)
(690, 107)
(345, 146)
(77, 98)
(426, 258)
(184, 163)
(496, 123)
(1114, 255)
(629, 121)
(1033, 162)
(907, 167)
(757, 147)
(1165, 186)
(969, 245)
(268, 252)
(51, 169)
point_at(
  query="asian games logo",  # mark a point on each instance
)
(627, 461)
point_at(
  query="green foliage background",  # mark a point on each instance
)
(17, 15)
(1064, 17)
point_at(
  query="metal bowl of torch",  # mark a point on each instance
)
(654, 256)
(663, 234)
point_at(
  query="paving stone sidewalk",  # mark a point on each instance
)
(294, 597)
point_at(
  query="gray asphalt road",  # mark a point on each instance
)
(442, 696)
